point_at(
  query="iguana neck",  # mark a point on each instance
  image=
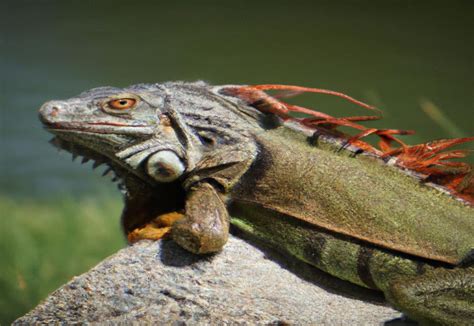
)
(357, 196)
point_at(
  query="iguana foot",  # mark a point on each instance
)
(205, 229)
(156, 229)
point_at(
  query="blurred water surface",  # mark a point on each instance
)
(391, 54)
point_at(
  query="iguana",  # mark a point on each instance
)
(192, 157)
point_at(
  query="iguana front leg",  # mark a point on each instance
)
(205, 226)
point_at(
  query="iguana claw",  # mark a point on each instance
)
(157, 229)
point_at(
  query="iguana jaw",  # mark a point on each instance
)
(98, 159)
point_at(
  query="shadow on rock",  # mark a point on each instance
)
(312, 274)
(173, 255)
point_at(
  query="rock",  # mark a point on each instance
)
(158, 282)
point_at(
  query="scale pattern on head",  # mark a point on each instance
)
(158, 132)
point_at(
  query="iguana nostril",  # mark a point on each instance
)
(54, 111)
(50, 110)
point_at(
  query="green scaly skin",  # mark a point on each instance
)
(194, 148)
(288, 208)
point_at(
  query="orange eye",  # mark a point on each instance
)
(122, 103)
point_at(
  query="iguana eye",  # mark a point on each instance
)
(122, 103)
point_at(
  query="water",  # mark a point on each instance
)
(392, 55)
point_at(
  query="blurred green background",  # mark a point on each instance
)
(58, 218)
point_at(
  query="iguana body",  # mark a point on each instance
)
(206, 151)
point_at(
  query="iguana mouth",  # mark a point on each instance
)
(110, 127)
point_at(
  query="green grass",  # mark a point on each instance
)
(43, 244)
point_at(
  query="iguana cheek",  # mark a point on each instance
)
(165, 166)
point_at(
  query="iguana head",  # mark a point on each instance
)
(156, 132)
(159, 139)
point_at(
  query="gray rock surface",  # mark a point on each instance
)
(158, 282)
